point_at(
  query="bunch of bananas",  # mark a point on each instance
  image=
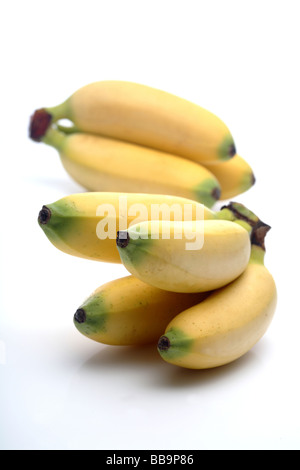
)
(153, 166)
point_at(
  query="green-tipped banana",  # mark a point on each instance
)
(228, 323)
(127, 311)
(100, 163)
(235, 176)
(86, 224)
(186, 257)
(142, 115)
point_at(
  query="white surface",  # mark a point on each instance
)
(58, 389)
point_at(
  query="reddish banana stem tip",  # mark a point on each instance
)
(39, 124)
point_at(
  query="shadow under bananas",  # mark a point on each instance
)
(60, 184)
(144, 363)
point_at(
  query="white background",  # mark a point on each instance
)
(59, 390)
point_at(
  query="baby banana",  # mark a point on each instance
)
(142, 115)
(103, 164)
(227, 324)
(86, 224)
(188, 256)
(127, 311)
(235, 176)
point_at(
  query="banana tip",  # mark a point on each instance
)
(216, 193)
(122, 239)
(163, 343)
(80, 316)
(39, 124)
(232, 150)
(44, 215)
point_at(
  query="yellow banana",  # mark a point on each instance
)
(127, 311)
(104, 164)
(142, 115)
(235, 176)
(227, 324)
(86, 224)
(162, 254)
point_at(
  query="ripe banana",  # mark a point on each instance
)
(227, 324)
(161, 253)
(235, 176)
(142, 115)
(86, 224)
(127, 311)
(104, 164)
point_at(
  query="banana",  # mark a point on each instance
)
(103, 164)
(86, 224)
(235, 176)
(227, 324)
(142, 115)
(161, 253)
(127, 311)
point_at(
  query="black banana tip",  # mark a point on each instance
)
(163, 343)
(122, 239)
(80, 316)
(44, 215)
(39, 124)
(216, 193)
(232, 150)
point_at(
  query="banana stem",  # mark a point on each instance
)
(257, 254)
(60, 111)
(240, 212)
(226, 214)
(258, 235)
(55, 138)
(42, 119)
(67, 130)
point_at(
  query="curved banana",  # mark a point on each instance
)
(127, 311)
(235, 176)
(104, 164)
(142, 115)
(162, 254)
(86, 224)
(227, 324)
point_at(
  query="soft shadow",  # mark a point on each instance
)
(178, 377)
(68, 187)
(145, 361)
(123, 356)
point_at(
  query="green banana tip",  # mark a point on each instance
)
(80, 316)
(40, 122)
(44, 215)
(163, 344)
(123, 239)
